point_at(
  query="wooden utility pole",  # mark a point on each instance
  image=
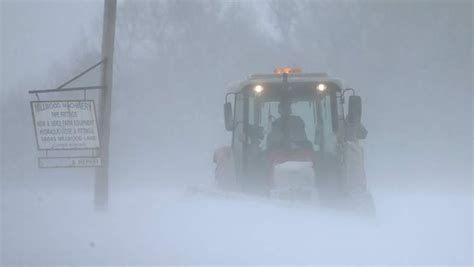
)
(108, 38)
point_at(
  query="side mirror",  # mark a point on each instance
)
(229, 119)
(355, 109)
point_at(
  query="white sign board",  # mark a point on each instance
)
(68, 124)
(69, 162)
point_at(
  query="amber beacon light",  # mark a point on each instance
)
(287, 70)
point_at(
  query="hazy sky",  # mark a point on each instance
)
(38, 34)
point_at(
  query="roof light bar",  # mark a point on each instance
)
(287, 70)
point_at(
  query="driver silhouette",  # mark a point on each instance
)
(296, 129)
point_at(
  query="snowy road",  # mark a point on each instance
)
(172, 227)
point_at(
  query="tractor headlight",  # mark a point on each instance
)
(258, 89)
(321, 87)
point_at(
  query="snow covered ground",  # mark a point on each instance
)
(170, 226)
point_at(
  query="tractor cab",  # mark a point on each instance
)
(287, 131)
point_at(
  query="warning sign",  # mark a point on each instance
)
(68, 124)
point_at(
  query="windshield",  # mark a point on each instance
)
(308, 122)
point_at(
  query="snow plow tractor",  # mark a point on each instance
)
(292, 140)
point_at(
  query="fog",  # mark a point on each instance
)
(410, 61)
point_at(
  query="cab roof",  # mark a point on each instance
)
(255, 79)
